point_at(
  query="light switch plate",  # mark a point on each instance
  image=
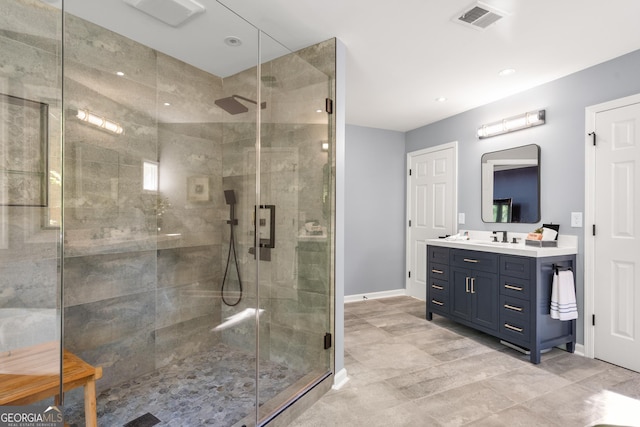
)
(576, 219)
(461, 218)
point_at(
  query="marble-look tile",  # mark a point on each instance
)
(573, 367)
(516, 416)
(526, 383)
(573, 405)
(459, 406)
(383, 358)
(180, 266)
(442, 377)
(100, 277)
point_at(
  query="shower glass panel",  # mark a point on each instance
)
(30, 199)
(294, 222)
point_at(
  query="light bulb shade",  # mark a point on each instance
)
(512, 124)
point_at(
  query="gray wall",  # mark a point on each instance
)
(562, 142)
(374, 210)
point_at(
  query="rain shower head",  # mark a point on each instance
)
(232, 106)
(230, 197)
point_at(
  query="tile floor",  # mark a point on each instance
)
(406, 371)
(212, 388)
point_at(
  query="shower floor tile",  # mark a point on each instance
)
(213, 388)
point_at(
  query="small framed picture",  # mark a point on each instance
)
(198, 188)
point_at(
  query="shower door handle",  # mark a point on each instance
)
(271, 241)
(265, 244)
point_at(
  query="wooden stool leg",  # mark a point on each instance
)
(90, 410)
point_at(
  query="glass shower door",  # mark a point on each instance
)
(294, 222)
(30, 200)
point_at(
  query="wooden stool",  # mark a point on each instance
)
(31, 374)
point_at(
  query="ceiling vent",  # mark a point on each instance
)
(171, 12)
(479, 16)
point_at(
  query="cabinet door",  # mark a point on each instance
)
(484, 299)
(460, 293)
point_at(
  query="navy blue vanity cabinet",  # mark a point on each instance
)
(503, 295)
(437, 281)
(474, 288)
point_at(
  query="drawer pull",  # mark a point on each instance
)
(437, 271)
(513, 328)
(514, 288)
(437, 287)
(437, 302)
(513, 307)
(470, 260)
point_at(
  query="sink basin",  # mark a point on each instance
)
(483, 243)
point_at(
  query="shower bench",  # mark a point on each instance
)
(30, 374)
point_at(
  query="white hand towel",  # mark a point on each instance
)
(563, 296)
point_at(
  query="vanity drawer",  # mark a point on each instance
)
(437, 255)
(515, 329)
(515, 266)
(438, 287)
(479, 261)
(514, 287)
(439, 271)
(438, 301)
(514, 307)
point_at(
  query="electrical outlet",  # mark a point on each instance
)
(461, 218)
(576, 219)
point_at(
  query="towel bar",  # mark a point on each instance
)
(557, 268)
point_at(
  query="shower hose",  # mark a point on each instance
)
(232, 248)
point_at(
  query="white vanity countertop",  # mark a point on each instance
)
(567, 245)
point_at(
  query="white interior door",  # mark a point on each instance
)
(616, 244)
(431, 207)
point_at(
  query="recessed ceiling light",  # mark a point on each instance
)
(119, 73)
(506, 72)
(318, 111)
(233, 41)
(166, 104)
(441, 99)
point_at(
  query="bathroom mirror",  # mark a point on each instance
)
(511, 185)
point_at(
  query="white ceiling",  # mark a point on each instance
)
(403, 54)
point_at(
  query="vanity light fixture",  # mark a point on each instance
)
(512, 124)
(101, 122)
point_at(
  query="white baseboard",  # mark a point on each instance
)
(579, 349)
(340, 379)
(375, 295)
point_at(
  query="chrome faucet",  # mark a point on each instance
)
(504, 236)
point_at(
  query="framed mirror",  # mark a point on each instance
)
(511, 185)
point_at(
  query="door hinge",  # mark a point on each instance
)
(593, 135)
(328, 105)
(593, 230)
(409, 172)
(409, 274)
(409, 223)
(593, 320)
(327, 341)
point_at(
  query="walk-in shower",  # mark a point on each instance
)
(129, 234)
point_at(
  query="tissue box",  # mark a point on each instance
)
(542, 243)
